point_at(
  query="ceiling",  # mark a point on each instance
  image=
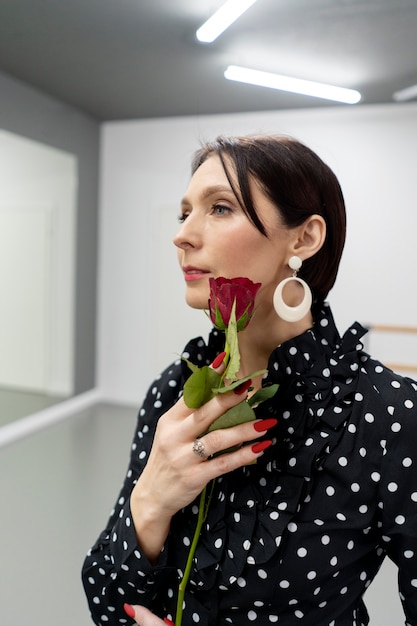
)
(124, 59)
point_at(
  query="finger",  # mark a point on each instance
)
(229, 461)
(180, 409)
(204, 416)
(143, 616)
(218, 363)
(225, 438)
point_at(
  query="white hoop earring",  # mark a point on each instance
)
(292, 313)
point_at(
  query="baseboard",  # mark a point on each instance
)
(26, 426)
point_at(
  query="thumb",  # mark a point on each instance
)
(144, 617)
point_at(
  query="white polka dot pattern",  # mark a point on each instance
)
(298, 537)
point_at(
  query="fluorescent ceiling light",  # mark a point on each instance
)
(222, 19)
(405, 94)
(295, 85)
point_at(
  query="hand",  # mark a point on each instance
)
(174, 475)
(144, 617)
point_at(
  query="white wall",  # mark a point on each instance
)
(143, 322)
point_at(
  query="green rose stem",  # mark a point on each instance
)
(202, 514)
(204, 383)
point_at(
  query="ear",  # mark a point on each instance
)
(309, 236)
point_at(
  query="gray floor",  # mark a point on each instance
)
(58, 487)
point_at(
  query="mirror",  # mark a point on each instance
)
(56, 132)
(38, 200)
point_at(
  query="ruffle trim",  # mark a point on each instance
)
(251, 510)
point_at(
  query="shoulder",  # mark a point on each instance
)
(168, 382)
(386, 393)
(385, 381)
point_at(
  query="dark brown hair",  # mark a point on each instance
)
(298, 182)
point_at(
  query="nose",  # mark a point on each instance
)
(188, 235)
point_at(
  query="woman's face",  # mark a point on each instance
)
(216, 237)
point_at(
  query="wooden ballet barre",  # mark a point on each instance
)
(395, 328)
(403, 367)
(392, 328)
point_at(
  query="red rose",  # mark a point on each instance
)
(223, 293)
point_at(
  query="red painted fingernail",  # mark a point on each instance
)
(129, 610)
(243, 387)
(265, 424)
(218, 360)
(261, 446)
(168, 621)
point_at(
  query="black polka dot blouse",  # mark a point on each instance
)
(297, 538)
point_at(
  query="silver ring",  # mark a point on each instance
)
(198, 449)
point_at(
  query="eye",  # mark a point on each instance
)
(182, 217)
(221, 209)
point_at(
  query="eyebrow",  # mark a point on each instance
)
(209, 191)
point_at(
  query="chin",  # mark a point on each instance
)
(197, 305)
(197, 301)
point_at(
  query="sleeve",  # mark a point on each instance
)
(115, 570)
(398, 492)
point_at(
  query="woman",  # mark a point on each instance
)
(297, 537)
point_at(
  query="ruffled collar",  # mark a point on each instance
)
(318, 375)
(316, 372)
